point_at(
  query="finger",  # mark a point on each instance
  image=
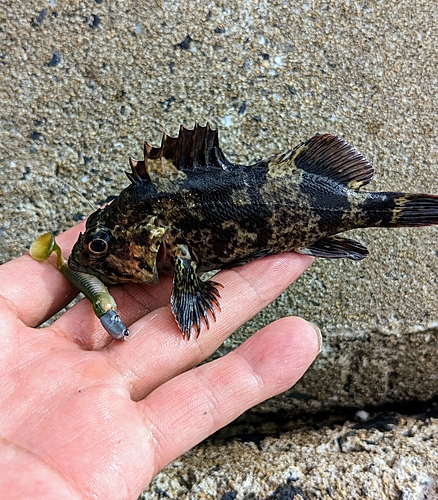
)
(197, 403)
(157, 352)
(36, 290)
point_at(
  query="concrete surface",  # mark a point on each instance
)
(389, 456)
(83, 83)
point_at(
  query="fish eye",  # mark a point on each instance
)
(99, 244)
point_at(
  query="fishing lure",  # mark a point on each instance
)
(104, 305)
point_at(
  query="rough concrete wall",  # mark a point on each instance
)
(84, 83)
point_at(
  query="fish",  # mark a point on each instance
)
(189, 210)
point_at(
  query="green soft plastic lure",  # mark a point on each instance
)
(104, 305)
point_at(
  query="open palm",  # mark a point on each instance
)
(83, 416)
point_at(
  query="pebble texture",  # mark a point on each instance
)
(390, 457)
(83, 83)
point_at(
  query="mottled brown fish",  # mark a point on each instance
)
(203, 212)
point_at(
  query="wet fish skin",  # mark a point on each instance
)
(189, 210)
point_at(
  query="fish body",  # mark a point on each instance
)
(201, 212)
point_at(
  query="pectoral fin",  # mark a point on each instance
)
(336, 247)
(192, 299)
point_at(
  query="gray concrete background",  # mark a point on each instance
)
(396, 460)
(84, 83)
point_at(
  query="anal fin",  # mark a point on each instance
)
(192, 299)
(336, 247)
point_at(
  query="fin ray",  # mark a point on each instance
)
(332, 157)
(411, 210)
(336, 247)
(193, 148)
(192, 299)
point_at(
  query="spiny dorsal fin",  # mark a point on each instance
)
(196, 148)
(139, 171)
(332, 157)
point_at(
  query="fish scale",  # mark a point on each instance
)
(189, 210)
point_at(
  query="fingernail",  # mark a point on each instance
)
(318, 331)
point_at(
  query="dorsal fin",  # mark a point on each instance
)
(139, 171)
(332, 157)
(196, 148)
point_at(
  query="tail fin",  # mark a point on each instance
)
(410, 210)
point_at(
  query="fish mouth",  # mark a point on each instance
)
(105, 278)
(108, 280)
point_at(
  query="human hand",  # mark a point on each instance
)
(83, 416)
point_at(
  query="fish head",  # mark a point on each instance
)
(120, 253)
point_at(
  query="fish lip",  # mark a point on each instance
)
(82, 269)
(107, 280)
